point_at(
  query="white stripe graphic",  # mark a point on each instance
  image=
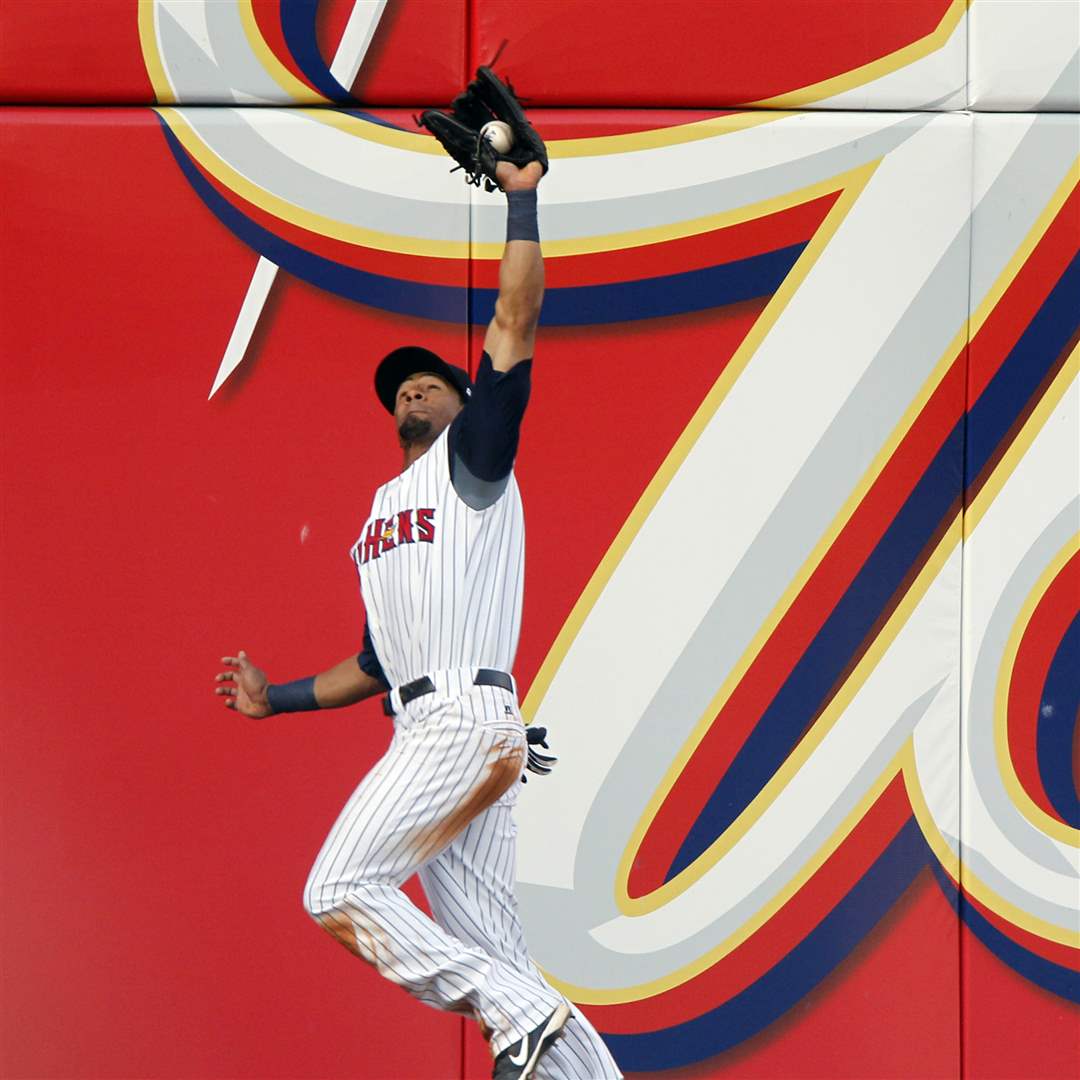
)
(854, 299)
(359, 30)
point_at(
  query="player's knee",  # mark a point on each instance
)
(325, 894)
(327, 909)
(342, 911)
(312, 905)
(322, 895)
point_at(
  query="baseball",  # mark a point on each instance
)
(499, 134)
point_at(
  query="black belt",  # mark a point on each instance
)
(419, 687)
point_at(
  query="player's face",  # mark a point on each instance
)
(425, 406)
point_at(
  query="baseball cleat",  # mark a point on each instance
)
(519, 1059)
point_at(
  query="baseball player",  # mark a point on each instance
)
(440, 562)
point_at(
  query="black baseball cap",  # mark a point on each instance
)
(397, 366)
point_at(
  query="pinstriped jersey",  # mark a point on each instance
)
(442, 583)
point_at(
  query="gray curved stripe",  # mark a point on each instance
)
(984, 869)
(1005, 214)
(560, 940)
(1064, 95)
(192, 74)
(567, 221)
(243, 69)
(935, 104)
(234, 75)
(978, 727)
(248, 152)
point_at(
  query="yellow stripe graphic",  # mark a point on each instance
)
(163, 91)
(273, 67)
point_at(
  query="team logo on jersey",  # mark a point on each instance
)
(385, 534)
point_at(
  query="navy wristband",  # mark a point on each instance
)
(295, 696)
(521, 221)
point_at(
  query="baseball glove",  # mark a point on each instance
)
(486, 98)
(538, 763)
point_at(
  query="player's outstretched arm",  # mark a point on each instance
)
(511, 335)
(246, 688)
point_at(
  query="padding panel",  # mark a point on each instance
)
(244, 52)
(161, 842)
(1025, 56)
(1020, 812)
(842, 54)
(802, 483)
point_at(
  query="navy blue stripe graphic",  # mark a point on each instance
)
(758, 275)
(651, 298)
(298, 25)
(815, 957)
(1058, 716)
(1045, 973)
(935, 497)
(1000, 404)
(445, 303)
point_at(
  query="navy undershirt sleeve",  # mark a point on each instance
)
(483, 437)
(368, 661)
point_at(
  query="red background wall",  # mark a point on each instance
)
(154, 845)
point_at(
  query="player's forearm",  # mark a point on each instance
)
(343, 684)
(521, 288)
(511, 335)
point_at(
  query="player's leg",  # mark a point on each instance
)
(579, 1053)
(470, 887)
(436, 776)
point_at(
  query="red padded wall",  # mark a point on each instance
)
(154, 845)
(685, 53)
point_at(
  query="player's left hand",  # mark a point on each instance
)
(485, 99)
(540, 764)
(244, 686)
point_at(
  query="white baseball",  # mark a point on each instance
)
(499, 135)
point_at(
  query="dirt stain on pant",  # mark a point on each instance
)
(359, 934)
(502, 768)
(361, 940)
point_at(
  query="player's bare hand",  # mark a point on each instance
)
(511, 178)
(243, 686)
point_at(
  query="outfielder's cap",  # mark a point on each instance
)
(397, 366)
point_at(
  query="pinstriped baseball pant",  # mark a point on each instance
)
(475, 902)
(439, 802)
